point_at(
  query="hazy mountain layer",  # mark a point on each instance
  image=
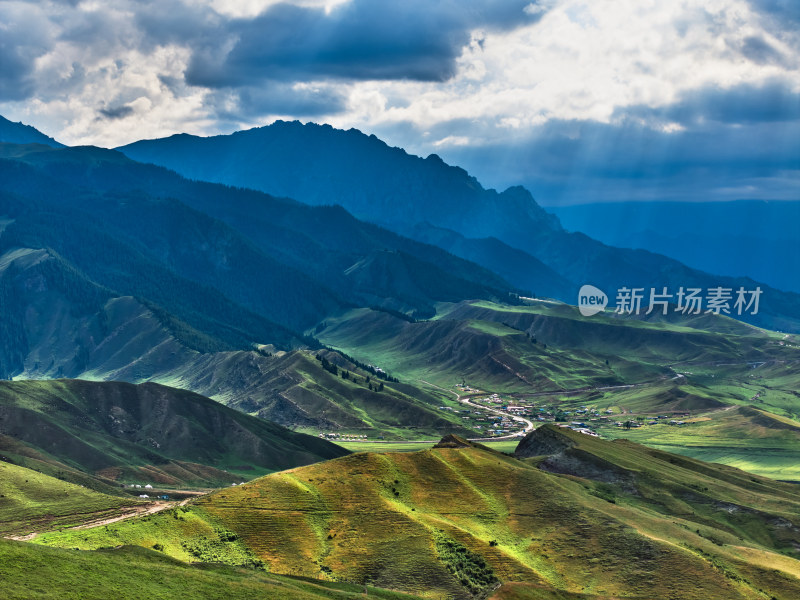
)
(321, 165)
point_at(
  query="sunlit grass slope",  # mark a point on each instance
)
(132, 573)
(741, 436)
(544, 346)
(355, 404)
(605, 519)
(31, 501)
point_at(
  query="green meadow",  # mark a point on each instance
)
(592, 517)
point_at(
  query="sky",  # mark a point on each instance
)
(578, 100)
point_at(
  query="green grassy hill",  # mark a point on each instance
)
(31, 501)
(592, 517)
(543, 346)
(57, 323)
(296, 390)
(113, 433)
(131, 573)
(742, 437)
(488, 354)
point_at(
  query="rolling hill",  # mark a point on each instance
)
(571, 515)
(59, 323)
(545, 346)
(104, 435)
(31, 501)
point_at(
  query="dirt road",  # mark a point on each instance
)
(134, 511)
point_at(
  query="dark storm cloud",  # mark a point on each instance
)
(284, 99)
(16, 66)
(746, 103)
(360, 40)
(116, 112)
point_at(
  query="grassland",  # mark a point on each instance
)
(742, 437)
(32, 502)
(599, 518)
(131, 573)
(547, 352)
(546, 346)
(506, 446)
(294, 389)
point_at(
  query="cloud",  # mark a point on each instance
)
(760, 51)
(358, 40)
(117, 112)
(296, 100)
(564, 162)
(770, 101)
(24, 37)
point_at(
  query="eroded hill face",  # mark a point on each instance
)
(105, 434)
(457, 521)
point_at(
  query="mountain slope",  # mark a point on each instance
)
(19, 133)
(516, 266)
(123, 433)
(58, 323)
(296, 390)
(458, 521)
(694, 233)
(320, 165)
(278, 258)
(543, 346)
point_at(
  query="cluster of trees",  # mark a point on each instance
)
(397, 313)
(328, 365)
(364, 367)
(345, 374)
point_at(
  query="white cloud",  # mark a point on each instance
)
(247, 9)
(589, 60)
(452, 140)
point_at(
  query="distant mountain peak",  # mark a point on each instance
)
(19, 133)
(319, 164)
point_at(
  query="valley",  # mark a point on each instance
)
(224, 392)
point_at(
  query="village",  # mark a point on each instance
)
(584, 419)
(491, 415)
